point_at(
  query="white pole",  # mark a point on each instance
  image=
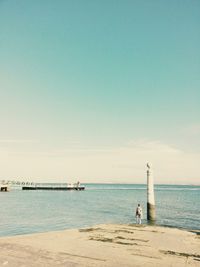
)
(151, 213)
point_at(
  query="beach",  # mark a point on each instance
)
(109, 245)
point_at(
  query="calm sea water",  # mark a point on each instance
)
(25, 212)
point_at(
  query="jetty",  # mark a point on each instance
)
(62, 187)
(5, 186)
(58, 188)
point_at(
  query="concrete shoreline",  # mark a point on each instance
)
(109, 245)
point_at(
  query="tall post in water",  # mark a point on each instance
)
(151, 213)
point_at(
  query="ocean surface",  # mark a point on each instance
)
(24, 212)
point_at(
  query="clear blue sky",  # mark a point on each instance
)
(98, 74)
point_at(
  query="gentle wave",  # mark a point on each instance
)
(157, 189)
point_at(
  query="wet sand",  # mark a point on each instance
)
(110, 245)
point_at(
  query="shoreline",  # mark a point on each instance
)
(192, 230)
(109, 245)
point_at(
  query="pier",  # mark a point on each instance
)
(58, 188)
(5, 186)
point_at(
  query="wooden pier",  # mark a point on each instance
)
(54, 188)
(6, 185)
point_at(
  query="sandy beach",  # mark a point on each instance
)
(108, 245)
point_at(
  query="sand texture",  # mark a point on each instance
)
(103, 245)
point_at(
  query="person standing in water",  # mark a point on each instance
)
(138, 214)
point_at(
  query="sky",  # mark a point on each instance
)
(93, 90)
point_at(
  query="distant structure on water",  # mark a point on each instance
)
(5, 186)
(77, 186)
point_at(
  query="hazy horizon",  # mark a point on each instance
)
(93, 90)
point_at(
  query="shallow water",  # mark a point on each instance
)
(25, 212)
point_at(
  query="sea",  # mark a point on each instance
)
(26, 212)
